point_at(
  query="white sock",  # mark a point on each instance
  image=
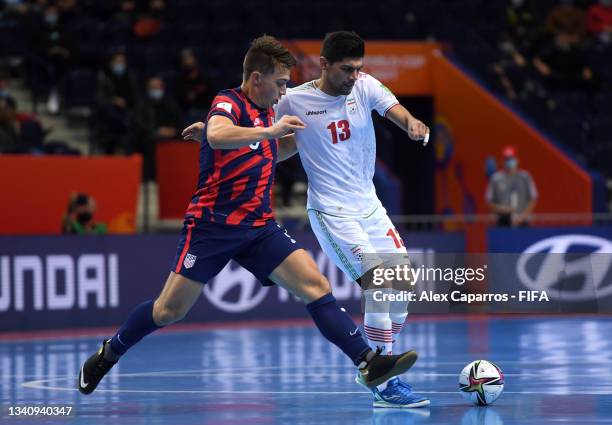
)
(377, 323)
(398, 321)
(398, 315)
(377, 328)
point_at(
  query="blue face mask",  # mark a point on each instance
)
(511, 163)
(51, 19)
(118, 68)
(156, 94)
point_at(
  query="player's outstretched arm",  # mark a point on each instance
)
(194, 132)
(403, 119)
(287, 147)
(222, 133)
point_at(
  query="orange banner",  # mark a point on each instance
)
(177, 176)
(472, 125)
(35, 191)
(404, 67)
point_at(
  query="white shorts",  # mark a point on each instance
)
(354, 242)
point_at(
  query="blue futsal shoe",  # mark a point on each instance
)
(398, 394)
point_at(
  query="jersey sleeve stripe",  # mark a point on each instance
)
(390, 107)
(222, 112)
(236, 109)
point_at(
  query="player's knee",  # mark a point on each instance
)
(165, 315)
(317, 285)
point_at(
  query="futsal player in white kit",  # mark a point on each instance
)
(338, 151)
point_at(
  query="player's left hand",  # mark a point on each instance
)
(418, 131)
(194, 132)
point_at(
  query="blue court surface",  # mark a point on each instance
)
(558, 370)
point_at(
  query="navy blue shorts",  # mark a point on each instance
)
(205, 248)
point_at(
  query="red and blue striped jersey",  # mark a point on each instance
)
(235, 185)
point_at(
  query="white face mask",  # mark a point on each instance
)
(118, 68)
(51, 19)
(156, 94)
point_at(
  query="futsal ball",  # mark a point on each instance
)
(481, 382)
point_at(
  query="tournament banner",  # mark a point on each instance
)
(93, 281)
(35, 191)
(177, 168)
(403, 66)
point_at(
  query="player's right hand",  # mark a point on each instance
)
(286, 125)
(194, 132)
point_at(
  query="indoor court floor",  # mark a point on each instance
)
(558, 369)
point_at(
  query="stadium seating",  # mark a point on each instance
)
(219, 31)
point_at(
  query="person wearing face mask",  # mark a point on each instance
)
(116, 96)
(511, 193)
(52, 43)
(157, 118)
(599, 20)
(562, 64)
(195, 91)
(79, 216)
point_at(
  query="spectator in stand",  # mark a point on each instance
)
(562, 63)
(511, 193)
(520, 32)
(152, 21)
(566, 18)
(125, 13)
(5, 82)
(10, 129)
(79, 217)
(157, 118)
(599, 20)
(69, 11)
(52, 42)
(117, 96)
(522, 28)
(195, 89)
(19, 132)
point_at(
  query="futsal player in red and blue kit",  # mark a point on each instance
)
(230, 217)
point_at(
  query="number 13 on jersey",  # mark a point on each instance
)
(340, 131)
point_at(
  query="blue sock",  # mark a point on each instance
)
(138, 325)
(338, 327)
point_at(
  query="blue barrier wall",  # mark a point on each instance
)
(572, 265)
(70, 282)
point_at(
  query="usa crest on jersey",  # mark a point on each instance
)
(189, 261)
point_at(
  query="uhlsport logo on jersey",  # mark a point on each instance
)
(190, 260)
(571, 267)
(321, 112)
(235, 290)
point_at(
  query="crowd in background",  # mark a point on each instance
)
(145, 68)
